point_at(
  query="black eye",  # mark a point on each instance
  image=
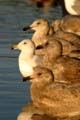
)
(39, 74)
(38, 23)
(25, 43)
(39, 47)
(47, 44)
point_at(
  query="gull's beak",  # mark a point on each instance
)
(14, 47)
(25, 79)
(39, 47)
(26, 28)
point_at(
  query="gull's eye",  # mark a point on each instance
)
(39, 74)
(38, 23)
(25, 43)
(47, 44)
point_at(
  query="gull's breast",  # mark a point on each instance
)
(25, 68)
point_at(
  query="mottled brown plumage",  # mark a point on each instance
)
(69, 24)
(54, 98)
(65, 68)
(42, 117)
(43, 33)
(28, 111)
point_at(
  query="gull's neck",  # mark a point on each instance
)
(37, 89)
(39, 34)
(41, 83)
(24, 55)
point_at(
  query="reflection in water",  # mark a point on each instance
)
(14, 15)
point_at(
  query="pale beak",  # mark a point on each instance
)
(14, 47)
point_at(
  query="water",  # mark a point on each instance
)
(14, 15)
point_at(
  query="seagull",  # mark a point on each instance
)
(27, 58)
(72, 6)
(54, 98)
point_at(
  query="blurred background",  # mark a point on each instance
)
(14, 15)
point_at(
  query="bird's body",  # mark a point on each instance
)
(57, 100)
(68, 24)
(72, 6)
(67, 70)
(27, 63)
(25, 67)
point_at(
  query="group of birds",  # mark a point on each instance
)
(51, 62)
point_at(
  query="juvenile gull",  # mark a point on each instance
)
(42, 29)
(27, 58)
(54, 98)
(43, 33)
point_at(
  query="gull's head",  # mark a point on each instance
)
(39, 24)
(25, 45)
(41, 74)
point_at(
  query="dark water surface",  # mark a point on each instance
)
(14, 15)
